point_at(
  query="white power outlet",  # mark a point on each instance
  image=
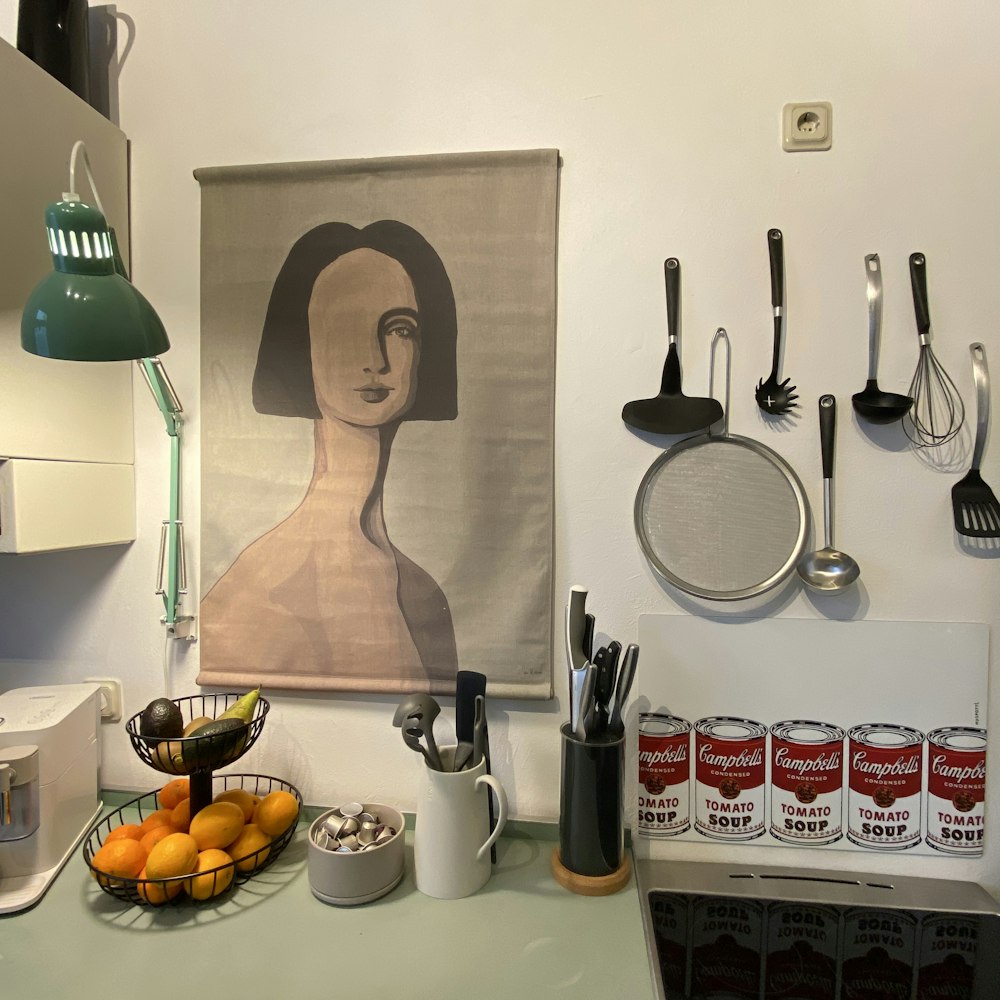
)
(807, 126)
(111, 697)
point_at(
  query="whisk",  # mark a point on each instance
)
(938, 412)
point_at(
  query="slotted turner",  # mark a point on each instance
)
(977, 513)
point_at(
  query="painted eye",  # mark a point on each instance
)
(401, 326)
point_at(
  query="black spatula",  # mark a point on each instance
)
(671, 412)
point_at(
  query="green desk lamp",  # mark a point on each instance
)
(88, 310)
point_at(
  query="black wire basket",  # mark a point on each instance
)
(188, 754)
(193, 887)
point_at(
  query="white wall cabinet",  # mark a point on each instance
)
(66, 437)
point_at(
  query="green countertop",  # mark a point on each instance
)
(522, 936)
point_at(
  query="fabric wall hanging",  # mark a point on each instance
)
(378, 382)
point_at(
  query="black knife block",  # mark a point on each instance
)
(591, 806)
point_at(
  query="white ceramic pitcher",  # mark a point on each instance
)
(451, 837)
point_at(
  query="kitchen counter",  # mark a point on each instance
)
(521, 936)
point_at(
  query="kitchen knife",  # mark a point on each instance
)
(625, 677)
(588, 636)
(585, 714)
(576, 627)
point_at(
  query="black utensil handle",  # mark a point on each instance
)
(670, 381)
(777, 254)
(827, 432)
(588, 636)
(672, 281)
(918, 282)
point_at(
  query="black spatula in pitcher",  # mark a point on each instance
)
(977, 513)
(671, 412)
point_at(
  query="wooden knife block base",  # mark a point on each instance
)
(590, 885)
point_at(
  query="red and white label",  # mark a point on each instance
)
(807, 783)
(884, 793)
(956, 789)
(664, 777)
(729, 780)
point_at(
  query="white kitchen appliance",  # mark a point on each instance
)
(49, 791)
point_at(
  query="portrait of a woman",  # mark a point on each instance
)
(359, 336)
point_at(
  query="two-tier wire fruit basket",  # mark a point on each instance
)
(196, 758)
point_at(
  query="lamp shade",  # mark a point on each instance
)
(86, 310)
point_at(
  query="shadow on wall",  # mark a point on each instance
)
(46, 596)
(105, 62)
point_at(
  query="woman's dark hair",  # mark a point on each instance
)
(283, 378)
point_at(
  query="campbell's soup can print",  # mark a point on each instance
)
(879, 955)
(956, 787)
(947, 966)
(729, 778)
(884, 770)
(671, 919)
(726, 948)
(807, 782)
(664, 775)
(801, 958)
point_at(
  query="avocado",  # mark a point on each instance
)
(161, 719)
(214, 742)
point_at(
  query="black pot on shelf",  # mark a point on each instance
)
(55, 35)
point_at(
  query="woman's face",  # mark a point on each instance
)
(364, 339)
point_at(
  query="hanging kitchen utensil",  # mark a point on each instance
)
(774, 397)
(872, 403)
(828, 568)
(671, 412)
(720, 516)
(938, 412)
(977, 513)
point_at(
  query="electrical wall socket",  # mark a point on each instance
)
(111, 697)
(807, 126)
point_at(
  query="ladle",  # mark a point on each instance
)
(872, 403)
(828, 568)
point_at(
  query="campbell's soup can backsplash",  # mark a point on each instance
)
(884, 768)
(664, 775)
(956, 787)
(807, 782)
(729, 778)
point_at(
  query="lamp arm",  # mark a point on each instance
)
(80, 147)
(172, 572)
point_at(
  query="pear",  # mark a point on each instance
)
(243, 709)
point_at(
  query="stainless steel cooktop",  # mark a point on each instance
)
(738, 932)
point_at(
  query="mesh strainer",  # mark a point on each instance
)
(720, 516)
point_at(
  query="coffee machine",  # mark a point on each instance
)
(49, 791)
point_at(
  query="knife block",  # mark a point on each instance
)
(590, 859)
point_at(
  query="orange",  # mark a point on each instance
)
(124, 858)
(156, 893)
(151, 839)
(252, 841)
(172, 856)
(276, 812)
(241, 797)
(181, 816)
(159, 818)
(217, 825)
(129, 831)
(173, 792)
(212, 882)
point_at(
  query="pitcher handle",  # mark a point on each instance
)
(488, 779)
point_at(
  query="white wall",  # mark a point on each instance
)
(667, 118)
